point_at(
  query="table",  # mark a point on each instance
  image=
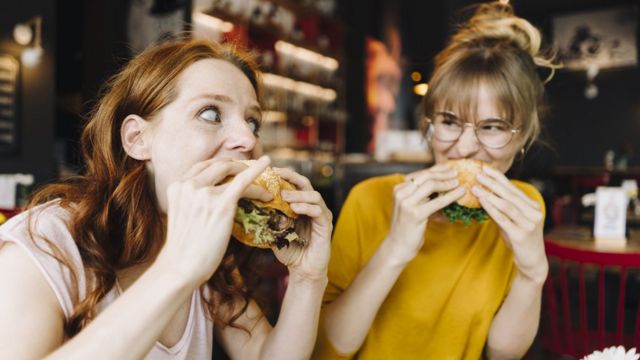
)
(581, 237)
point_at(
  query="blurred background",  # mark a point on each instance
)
(343, 82)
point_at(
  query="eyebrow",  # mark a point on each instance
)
(225, 99)
(451, 113)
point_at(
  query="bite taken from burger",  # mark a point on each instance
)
(266, 224)
(466, 209)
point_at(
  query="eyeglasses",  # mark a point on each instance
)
(492, 133)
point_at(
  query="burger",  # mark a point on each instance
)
(265, 224)
(466, 209)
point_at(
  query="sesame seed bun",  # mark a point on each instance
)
(274, 184)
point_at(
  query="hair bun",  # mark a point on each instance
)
(497, 21)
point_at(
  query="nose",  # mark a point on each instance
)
(240, 137)
(468, 143)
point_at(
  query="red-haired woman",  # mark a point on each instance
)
(132, 259)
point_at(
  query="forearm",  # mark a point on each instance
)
(515, 326)
(128, 328)
(347, 319)
(297, 325)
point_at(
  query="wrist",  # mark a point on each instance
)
(395, 254)
(175, 275)
(534, 278)
(307, 280)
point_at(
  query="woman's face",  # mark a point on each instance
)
(215, 115)
(468, 147)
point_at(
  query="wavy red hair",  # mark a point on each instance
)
(114, 217)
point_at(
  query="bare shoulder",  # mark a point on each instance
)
(31, 319)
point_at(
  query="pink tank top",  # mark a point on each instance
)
(50, 221)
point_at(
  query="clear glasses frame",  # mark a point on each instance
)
(432, 131)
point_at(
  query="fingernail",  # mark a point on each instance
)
(455, 182)
(476, 190)
(481, 176)
(285, 194)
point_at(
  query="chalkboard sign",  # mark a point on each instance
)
(9, 67)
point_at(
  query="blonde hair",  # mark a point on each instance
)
(501, 51)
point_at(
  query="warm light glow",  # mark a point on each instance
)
(416, 76)
(326, 170)
(30, 34)
(306, 55)
(421, 89)
(31, 56)
(22, 34)
(285, 83)
(9, 64)
(273, 116)
(212, 22)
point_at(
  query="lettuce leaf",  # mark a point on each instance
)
(256, 224)
(456, 212)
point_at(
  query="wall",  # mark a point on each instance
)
(582, 130)
(35, 153)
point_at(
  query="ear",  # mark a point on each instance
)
(132, 135)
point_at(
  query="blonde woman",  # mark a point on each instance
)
(406, 283)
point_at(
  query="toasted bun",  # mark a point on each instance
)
(467, 171)
(274, 184)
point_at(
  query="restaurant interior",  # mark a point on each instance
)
(343, 83)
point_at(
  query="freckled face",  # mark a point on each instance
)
(215, 115)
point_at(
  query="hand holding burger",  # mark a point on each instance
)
(265, 224)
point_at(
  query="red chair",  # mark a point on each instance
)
(565, 329)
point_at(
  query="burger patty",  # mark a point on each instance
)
(279, 221)
(280, 224)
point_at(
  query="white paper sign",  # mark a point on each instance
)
(7, 192)
(611, 214)
(8, 187)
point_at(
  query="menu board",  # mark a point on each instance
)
(9, 67)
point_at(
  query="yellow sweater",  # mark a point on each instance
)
(442, 305)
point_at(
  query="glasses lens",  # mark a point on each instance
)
(494, 133)
(447, 128)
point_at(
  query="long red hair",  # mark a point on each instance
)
(114, 217)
